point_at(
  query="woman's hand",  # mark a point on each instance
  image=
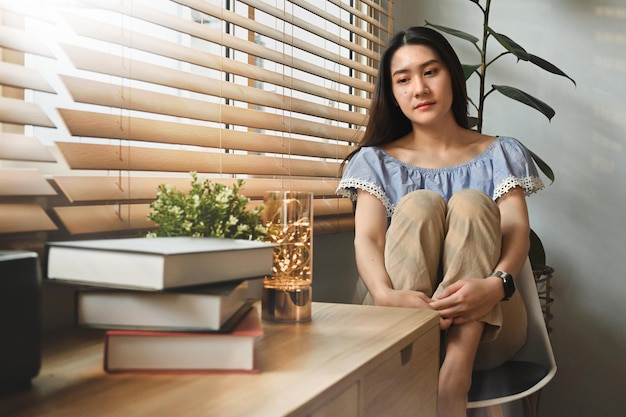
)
(402, 298)
(409, 298)
(468, 299)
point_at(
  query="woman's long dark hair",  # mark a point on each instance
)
(386, 121)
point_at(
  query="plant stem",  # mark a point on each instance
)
(496, 58)
(483, 66)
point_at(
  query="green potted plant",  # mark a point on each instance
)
(507, 47)
(208, 210)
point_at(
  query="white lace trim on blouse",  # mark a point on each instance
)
(348, 185)
(530, 185)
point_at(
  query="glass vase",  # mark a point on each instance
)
(287, 293)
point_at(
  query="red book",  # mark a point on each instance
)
(147, 351)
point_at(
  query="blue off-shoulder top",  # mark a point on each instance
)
(503, 165)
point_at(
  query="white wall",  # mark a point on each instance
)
(581, 217)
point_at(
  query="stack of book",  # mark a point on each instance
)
(167, 304)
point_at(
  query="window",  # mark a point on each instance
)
(101, 103)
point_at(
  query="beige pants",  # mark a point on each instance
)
(430, 245)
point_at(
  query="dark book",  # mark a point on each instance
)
(157, 263)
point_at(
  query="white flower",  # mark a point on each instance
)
(224, 195)
(232, 220)
(175, 210)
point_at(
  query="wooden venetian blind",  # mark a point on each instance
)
(126, 95)
(21, 187)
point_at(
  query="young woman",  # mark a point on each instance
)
(441, 220)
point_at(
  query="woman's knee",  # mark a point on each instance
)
(472, 203)
(422, 201)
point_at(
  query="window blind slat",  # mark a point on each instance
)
(23, 182)
(100, 125)
(121, 66)
(24, 218)
(80, 189)
(124, 157)
(19, 40)
(104, 218)
(128, 217)
(17, 147)
(119, 96)
(332, 207)
(17, 76)
(22, 113)
(110, 33)
(333, 225)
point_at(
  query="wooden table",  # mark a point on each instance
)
(350, 360)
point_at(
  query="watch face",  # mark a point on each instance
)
(507, 282)
(510, 286)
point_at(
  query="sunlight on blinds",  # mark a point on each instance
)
(104, 100)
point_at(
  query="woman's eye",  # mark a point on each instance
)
(432, 71)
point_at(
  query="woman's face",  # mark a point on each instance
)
(421, 85)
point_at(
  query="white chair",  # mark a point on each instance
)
(528, 371)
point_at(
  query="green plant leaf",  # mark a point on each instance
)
(543, 166)
(454, 32)
(468, 70)
(473, 121)
(206, 210)
(537, 253)
(542, 63)
(527, 99)
(509, 45)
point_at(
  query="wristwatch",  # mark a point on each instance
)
(507, 282)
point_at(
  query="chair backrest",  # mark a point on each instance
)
(537, 348)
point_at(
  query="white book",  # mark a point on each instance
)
(145, 351)
(207, 308)
(157, 263)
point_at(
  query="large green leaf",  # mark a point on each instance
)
(537, 253)
(454, 32)
(509, 45)
(527, 99)
(542, 63)
(545, 168)
(468, 70)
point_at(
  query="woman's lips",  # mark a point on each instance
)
(424, 105)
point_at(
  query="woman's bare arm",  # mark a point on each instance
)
(515, 232)
(369, 245)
